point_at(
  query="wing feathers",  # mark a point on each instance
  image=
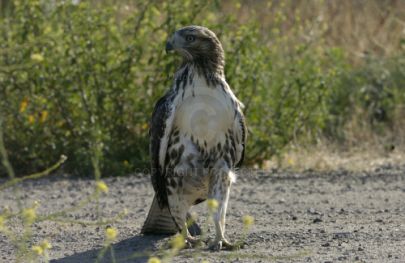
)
(160, 127)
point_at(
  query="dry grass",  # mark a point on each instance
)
(361, 27)
(327, 157)
(372, 27)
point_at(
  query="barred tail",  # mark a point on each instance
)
(160, 221)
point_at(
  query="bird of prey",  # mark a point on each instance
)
(197, 137)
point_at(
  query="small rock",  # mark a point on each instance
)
(341, 235)
(326, 244)
(317, 220)
(312, 211)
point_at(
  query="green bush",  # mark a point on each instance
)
(373, 97)
(81, 80)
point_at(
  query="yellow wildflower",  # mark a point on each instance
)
(29, 215)
(212, 205)
(23, 105)
(102, 187)
(125, 162)
(177, 242)
(44, 116)
(154, 260)
(31, 119)
(111, 234)
(248, 220)
(37, 57)
(38, 250)
(45, 245)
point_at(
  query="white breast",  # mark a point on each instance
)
(205, 112)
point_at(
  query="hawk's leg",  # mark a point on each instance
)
(220, 185)
(190, 240)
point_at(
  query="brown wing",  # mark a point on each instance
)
(159, 124)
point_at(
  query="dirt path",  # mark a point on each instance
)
(308, 217)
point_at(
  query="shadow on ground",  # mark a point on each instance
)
(135, 249)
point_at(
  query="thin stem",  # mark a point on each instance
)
(7, 165)
(13, 181)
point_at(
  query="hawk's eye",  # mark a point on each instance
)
(190, 38)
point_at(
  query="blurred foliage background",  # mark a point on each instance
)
(80, 78)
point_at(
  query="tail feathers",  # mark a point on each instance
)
(159, 221)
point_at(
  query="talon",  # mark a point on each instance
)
(230, 246)
(218, 245)
(192, 242)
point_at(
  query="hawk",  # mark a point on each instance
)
(197, 137)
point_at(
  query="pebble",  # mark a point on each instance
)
(317, 220)
(342, 235)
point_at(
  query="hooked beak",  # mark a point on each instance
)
(169, 46)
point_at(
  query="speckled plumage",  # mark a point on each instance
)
(197, 133)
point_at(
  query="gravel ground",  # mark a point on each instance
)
(335, 216)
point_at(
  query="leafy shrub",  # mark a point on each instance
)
(81, 80)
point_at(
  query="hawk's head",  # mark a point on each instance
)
(199, 45)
